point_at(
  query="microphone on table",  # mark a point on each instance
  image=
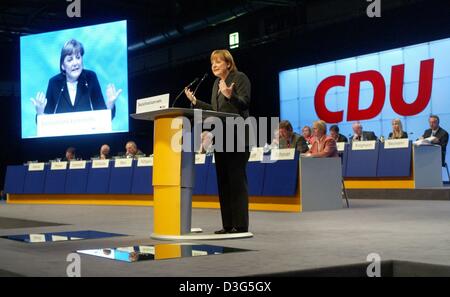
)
(182, 91)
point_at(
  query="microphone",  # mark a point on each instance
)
(59, 98)
(203, 78)
(182, 91)
(89, 94)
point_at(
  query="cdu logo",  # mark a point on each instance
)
(398, 103)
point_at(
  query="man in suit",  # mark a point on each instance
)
(290, 139)
(70, 154)
(440, 135)
(360, 135)
(334, 133)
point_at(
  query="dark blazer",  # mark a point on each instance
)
(240, 99)
(342, 138)
(89, 94)
(298, 142)
(404, 135)
(442, 135)
(239, 103)
(367, 135)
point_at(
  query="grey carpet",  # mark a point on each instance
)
(12, 223)
(398, 230)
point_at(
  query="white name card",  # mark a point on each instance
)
(396, 143)
(340, 146)
(77, 165)
(36, 167)
(256, 154)
(37, 238)
(214, 159)
(147, 249)
(59, 238)
(145, 162)
(74, 123)
(152, 103)
(58, 166)
(124, 162)
(200, 158)
(282, 154)
(363, 145)
(100, 164)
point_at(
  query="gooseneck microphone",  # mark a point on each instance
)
(59, 98)
(89, 94)
(182, 91)
(203, 78)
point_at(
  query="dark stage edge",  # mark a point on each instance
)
(391, 268)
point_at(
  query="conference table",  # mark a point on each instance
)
(276, 186)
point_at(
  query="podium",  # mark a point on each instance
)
(173, 171)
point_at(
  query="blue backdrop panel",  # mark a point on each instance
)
(201, 176)
(34, 181)
(55, 181)
(14, 179)
(394, 162)
(281, 178)
(120, 180)
(76, 181)
(211, 180)
(362, 163)
(142, 180)
(98, 180)
(255, 177)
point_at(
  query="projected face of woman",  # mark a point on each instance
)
(73, 65)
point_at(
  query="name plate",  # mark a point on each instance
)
(77, 165)
(36, 167)
(152, 103)
(58, 166)
(256, 155)
(340, 146)
(120, 163)
(59, 238)
(145, 162)
(363, 145)
(282, 154)
(37, 238)
(200, 158)
(100, 164)
(396, 143)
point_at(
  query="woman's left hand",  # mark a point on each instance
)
(225, 90)
(112, 94)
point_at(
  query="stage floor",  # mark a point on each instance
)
(401, 230)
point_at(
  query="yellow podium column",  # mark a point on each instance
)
(172, 191)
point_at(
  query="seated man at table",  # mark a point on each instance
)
(334, 133)
(437, 135)
(132, 150)
(70, 154)
(289, 139)
(206, 145)
(307, 134)
(360, 135)
(104, 152)
(323, 146)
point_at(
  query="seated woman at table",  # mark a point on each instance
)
(323, 146)
(397, 130)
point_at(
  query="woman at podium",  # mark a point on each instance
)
(230, 93)
(75, 88)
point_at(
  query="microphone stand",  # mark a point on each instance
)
(182, 91)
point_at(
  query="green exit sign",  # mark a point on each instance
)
(234, 40)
